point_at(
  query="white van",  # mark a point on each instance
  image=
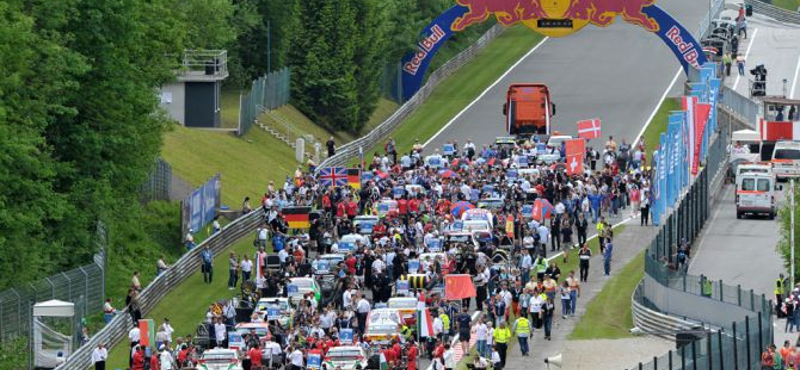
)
(755, 194)
(786, 159)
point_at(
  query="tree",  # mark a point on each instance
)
(784, 247)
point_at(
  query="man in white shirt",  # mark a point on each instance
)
(535, 309)
(481, 330)
(449, 357)
(247, 268)
(99, 356)
(362, 310)
(296, 359)
(134, 336)
(220, 334)
(167, 329)
(347, 299)
(167, 361)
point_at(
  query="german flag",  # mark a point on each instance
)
(354, 178)
(297, 217)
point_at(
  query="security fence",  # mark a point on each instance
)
(766, 8)
(158, 184)
(266, 93)
(84, 286)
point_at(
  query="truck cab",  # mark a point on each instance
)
(755, 194)
(528, 109)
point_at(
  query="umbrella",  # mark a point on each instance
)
(383, 175)
(559, 167)
(447, 174)
(460, 207)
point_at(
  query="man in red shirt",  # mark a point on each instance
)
(155, 363)
(138, 359)
(255, 356)
(340, 209)
(411, 355)
(413, 207)
(402, 207)
(352, 208)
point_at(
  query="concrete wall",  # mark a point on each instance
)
(173, 100)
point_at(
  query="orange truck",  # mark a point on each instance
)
(528, 109)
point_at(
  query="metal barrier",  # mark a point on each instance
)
(775, 12)
(380, 133)
(187, 265)
(739, 106)
(268, 92)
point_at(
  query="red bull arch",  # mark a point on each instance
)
(554, 18)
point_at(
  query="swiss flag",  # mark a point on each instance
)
(589, 129)
(576, 149)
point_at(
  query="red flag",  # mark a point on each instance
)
(589, 129)
(576, 150)
(458, 286)
(701, 112)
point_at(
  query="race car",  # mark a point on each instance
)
(220, 359)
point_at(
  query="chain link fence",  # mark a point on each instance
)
(266, 93)
(158, 184)
(84, 286)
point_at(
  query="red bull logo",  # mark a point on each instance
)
(557, 17)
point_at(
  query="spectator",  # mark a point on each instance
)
(207, 268)
(331, 145)
(99, 357)
(161, 266)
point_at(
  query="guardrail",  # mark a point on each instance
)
(351, 150)
(187, 265)
(654, 322)
(739, 106)
(775, 12)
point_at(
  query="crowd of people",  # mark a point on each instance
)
(517, 288)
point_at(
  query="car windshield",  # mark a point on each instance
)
(345, 355)
(261, 332)
(210, 356)
(458, 238)
(490, 203)
(282, 305)
(786, 154)
(402, 303)
(302, 283)
(382, 329)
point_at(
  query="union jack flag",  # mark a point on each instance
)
(333, 176)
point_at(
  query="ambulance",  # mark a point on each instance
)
(755, 194)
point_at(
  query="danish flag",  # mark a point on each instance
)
(589, 129)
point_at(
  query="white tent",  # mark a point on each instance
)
(49, 347)
(54, 308)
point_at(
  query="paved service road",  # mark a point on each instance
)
(617, 74)
(738, 251)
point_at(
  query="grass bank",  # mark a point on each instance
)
(186, 305)
(792, 5)
(458, 90)
(608, 315)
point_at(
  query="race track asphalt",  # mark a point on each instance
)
(617, 74)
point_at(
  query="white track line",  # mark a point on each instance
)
(485, 92)
(794, 81)
(655, 109)
(747, 56)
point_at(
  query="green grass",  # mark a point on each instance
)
(453, 94)
(659, 123)
(247, 164)
(608, 315)
(787, 4)
(186, 305)
(229, 103)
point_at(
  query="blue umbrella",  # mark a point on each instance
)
(460, 207)
(447, 174)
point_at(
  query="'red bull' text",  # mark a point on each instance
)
(425, 46)
(687, 49)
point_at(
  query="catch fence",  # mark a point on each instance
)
(268, 92)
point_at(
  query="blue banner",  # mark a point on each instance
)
(200, 207)
(675, 140)
(432, 38)
(655, 189)
(685, 47)
(662, 174)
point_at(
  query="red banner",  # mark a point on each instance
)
(576, 150)
(701, 112)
